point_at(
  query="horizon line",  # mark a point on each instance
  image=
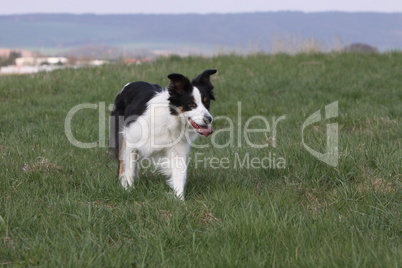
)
(200, 13)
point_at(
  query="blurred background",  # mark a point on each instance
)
(45, 35)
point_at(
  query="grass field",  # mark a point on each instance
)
(61, 205)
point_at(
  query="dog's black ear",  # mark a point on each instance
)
(203, 78)
(179, 84)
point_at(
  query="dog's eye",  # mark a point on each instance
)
(193, 105)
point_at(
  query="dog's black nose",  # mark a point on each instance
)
(208, 119)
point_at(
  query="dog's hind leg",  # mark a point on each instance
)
(127, 165)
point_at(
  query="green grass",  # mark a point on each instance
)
(63, 207)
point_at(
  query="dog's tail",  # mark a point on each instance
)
(115, 127)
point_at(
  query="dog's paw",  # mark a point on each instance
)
(126, 183)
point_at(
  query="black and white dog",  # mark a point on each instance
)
(149, 121)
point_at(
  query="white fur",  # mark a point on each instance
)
(200, 112)
(162, 137)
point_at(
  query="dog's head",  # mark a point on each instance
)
(192, 99)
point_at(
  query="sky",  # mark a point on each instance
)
(191, 6)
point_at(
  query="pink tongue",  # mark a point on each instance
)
(206, 131)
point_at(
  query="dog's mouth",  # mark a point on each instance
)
(202, 130)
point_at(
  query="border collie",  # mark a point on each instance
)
(160, 124)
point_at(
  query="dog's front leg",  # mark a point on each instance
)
(177, 172)
(178, 178)
(127, 165)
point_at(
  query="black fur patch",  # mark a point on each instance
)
(181, 94)
(203, 83)
(133, 99)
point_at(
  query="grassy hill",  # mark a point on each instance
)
(61, 205)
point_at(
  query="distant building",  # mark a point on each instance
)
(137, 61)
(37, 61)
(98, 62)
(131, 61)
(28, 69)
(91, 62)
